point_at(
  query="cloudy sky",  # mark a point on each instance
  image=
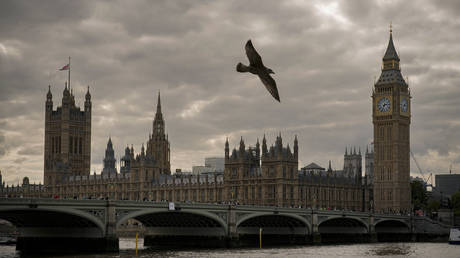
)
(325, 54)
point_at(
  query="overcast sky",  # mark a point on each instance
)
(325, 54)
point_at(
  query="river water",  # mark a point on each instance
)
(127, 249)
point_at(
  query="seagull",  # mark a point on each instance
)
(257, 67)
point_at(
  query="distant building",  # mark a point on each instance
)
(217, 163)
(369, 173)
(313, 169)
(211, 165)
(448, 184)
(352, 164)
(197, 170)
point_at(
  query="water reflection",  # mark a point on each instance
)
(391, 249)
(127, 246)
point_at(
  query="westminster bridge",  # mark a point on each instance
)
(91, 225)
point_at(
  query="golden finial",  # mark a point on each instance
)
(391, 28)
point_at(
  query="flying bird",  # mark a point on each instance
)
(257, 67)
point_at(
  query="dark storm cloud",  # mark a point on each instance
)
(325, 55)
(31, 150)
(2, 145)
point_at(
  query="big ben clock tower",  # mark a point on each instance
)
(391, 118)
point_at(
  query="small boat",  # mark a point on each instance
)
(454, 237)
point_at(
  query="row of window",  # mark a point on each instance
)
(384, 153)
(325, 194)
(250, 193)
(188, 195)
(385, 133)
(75, 145)
(56, 144)
(195, 195)
(385, 174)
(270, 173)
(388, 194)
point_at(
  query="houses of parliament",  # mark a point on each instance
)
(264, 174)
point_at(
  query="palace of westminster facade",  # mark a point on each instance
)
(258, 175)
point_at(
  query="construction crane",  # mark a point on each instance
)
(430, 177)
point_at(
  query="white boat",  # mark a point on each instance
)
(454, 237)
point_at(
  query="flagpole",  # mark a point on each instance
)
(69, 74)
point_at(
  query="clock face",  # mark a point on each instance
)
(404, 105)
(384, 105)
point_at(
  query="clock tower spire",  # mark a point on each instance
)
(391, 119)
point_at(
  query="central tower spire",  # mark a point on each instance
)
(159, 103)
(159, 115)
(158, 122)
(158, 144)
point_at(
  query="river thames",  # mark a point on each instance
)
(127, 249)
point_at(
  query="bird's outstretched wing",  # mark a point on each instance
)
(254, 58)
(270, 84)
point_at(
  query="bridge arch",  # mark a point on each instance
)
(343, 225)
(52, 217)
(254, 215)
(391, 226)
(164, 218)
(281, 223)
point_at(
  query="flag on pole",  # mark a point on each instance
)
(65, 67)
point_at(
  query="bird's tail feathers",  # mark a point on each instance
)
(242, 68)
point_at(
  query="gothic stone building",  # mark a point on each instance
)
(258, 175)
(67, 138)
(391, 118)
(271, 177)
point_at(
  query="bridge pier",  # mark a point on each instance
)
(315, 235)
(372, 234)
(233, 236)
(111, 238)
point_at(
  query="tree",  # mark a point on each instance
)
(433, 206)
(455, 200)
(419, 195)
